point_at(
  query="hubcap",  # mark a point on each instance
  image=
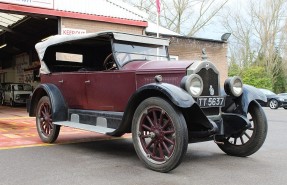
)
(273, 104)
(157, 136)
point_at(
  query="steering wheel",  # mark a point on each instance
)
(109, 63)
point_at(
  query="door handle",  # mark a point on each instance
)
(88, 81)
(61, 81)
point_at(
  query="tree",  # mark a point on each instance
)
(257, 76)
(182, 16)
(259, 36)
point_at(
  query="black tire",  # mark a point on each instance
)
(47, 131)
(251, 139)
(285, 107)
(273, 104)
(159, 134)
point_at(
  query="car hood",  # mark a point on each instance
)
(158, 65)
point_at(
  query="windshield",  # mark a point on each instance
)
(126, 52)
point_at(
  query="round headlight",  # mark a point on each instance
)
(233, 86)
(193, 84)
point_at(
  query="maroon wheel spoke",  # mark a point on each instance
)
(146, 127)
(46, 129)
(45, 109)
(150, 143)
(154, 117)
(166, 148)
(149, 120)
(165, 124)
(160, 118)
(168, 132)
(168, 140)
(42, 113)
(161, 155)
(154, 150)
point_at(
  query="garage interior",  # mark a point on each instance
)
(18, 36)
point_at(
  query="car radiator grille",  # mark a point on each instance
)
(210, 78)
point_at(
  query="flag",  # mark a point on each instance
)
(158, 6)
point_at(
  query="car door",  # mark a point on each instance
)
(72, 87)
(109, 90)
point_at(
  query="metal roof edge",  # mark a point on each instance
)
(52, 12)
(187, 37)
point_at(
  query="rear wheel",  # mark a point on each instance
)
(47, 131)
(159, 134)
(250, 140)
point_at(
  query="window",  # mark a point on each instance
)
(69, 57)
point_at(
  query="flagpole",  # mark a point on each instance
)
(157, 20)
(157, 17)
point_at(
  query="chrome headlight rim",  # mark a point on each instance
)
(233, 86)
(189, 83)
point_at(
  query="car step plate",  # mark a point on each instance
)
(99, 129)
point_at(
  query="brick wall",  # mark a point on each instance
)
(190, 49)
(95, 26)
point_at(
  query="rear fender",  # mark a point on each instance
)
(59, 106)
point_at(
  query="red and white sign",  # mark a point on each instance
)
(71, 31)
(35, 3)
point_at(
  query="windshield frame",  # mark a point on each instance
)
(121, 64)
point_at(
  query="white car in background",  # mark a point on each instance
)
(16, 93)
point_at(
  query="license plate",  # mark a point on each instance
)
(208, 101)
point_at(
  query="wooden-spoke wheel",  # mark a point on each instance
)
(159, 134)
(250, 140)
(47, 131)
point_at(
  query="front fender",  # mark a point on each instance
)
(58, 103)
(176, 95)
(249, 94)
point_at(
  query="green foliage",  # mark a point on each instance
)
(234, 69)
(257, 76)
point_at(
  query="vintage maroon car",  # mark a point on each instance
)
(116, 83)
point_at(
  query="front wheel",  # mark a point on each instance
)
(47, 131)
(273, 104)
(250, 140)
(159, 134)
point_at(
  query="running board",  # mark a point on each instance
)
(99, 129)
